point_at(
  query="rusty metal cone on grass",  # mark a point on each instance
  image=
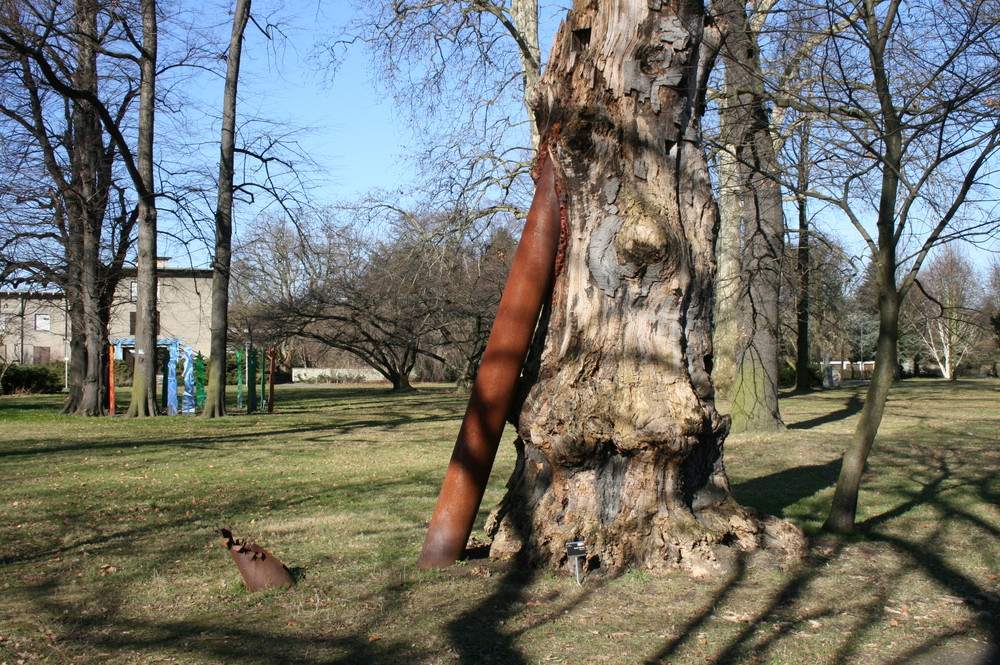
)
(260, 568)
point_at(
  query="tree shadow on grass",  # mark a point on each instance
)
(775, 492)
(895, 552)
(216, 637)
(851, 407)
(388, 421)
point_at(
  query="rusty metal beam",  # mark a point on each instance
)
(528, 286)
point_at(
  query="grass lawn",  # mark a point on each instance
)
(108, 552)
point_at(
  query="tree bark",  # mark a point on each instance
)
(215, 398)
(729, 268)
(803, 378)
(143, 402)
(746, 132)
(844, 507)
(619, 440)
(88, 202)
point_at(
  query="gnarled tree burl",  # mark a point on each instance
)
(619, 442)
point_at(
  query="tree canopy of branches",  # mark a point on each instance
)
(69, 88)
(945, 313)
(461, 74)
(387, 302)
(901, 102)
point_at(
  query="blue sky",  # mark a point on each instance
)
(349, 128)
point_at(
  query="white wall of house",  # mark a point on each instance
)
(34, 326)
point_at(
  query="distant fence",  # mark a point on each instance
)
(854, 370)
(335, 375)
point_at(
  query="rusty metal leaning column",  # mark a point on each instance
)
(528, 286)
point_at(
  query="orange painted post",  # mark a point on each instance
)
(111, 380)
(528, 286)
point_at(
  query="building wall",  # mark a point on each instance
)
(184, 303)
(33, 327)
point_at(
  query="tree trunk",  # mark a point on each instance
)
(88, 203)
(215, 399)
(74, 309)
(727, 285)
(803, 378)
(746, 131)
(845, 499)
(525, 17)
(401, 384)
(143, 401)
(619, 440)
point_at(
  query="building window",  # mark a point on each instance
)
(43, 322)
(131, 323)
(133, 291)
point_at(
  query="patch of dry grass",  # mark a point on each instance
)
(107, 552)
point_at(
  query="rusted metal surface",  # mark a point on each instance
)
(260, 568)
(528, 286)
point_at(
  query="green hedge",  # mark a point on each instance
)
(32, 379)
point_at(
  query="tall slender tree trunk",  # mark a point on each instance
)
(619, 442)
(746, 131)
(844, 507)
(525, 16)
(729, 269)
(215, 398)
(803, 378)
(143, 401)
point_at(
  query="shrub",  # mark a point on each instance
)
(786, 376)
(31, 379)
(123, 374)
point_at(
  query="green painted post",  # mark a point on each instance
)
(263, 378)
(199, 381)
(239, 378)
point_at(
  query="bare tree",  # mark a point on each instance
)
(215, 398)
(422, 294)
(943, 312)
(143, 401)
(72, 136)
(902, 116)
(461, 74)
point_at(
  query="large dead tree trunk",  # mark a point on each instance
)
(619, 440)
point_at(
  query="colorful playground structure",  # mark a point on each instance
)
(248, 362)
